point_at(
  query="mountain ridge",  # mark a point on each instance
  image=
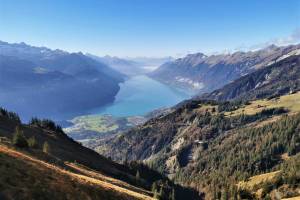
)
(61, 81)
(207, 73)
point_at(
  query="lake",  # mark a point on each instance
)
(141, 94)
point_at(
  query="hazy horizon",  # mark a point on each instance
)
(150, 29)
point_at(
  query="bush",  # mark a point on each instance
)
(19, 139)
(46, 148)
(32, 142)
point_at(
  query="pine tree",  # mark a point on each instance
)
(292, 147)
(19, 139)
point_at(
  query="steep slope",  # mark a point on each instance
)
(212, 146)
(207, 73)
(275, 80)
(53, 81)
(53, 163)
(212, 151)
(25, 177)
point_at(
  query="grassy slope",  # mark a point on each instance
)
(257, 184)
(291, 102)
(25, 177)
(95, 123)
(70, 171)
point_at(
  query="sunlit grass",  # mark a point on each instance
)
(95, 123)
(290, 102)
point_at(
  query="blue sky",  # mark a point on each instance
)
(150, 27)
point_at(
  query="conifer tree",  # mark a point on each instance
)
(19, 139)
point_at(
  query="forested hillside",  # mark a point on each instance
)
(39, 161)
(218, 147)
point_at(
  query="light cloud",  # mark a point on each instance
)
(291, 39)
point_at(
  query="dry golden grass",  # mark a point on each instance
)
(87, 185)
(285, 156)
(96, 175)
(291, 102)
(207, 108)
(266, 121)
(258, 179)
(293, 198)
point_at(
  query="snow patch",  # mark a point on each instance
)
(296, 52)
(194, 84)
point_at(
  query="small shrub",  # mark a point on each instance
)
(19, 139)
(32, 143)
(46, 148)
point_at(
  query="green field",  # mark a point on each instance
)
(95, 123)
(102, 123)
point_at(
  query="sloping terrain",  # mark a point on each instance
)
(47, 83)
(218, 150)
(66, 171)
(275, 80)
(40, 153)
(25, 177)
(207, 73)
(213, 145)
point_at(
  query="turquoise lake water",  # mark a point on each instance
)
(141, 94)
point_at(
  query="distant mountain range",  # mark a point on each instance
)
(132, 66)
(206, 73)
(44, 82)
(128, 67)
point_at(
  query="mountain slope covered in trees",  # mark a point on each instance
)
(215, 146)
(39, 161)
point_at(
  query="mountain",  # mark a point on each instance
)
(128, 67)
(206, 73)
(39, 161)
(37, 81)
(152, 61)
(132, 66)
(247, 148)
(275, 80)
